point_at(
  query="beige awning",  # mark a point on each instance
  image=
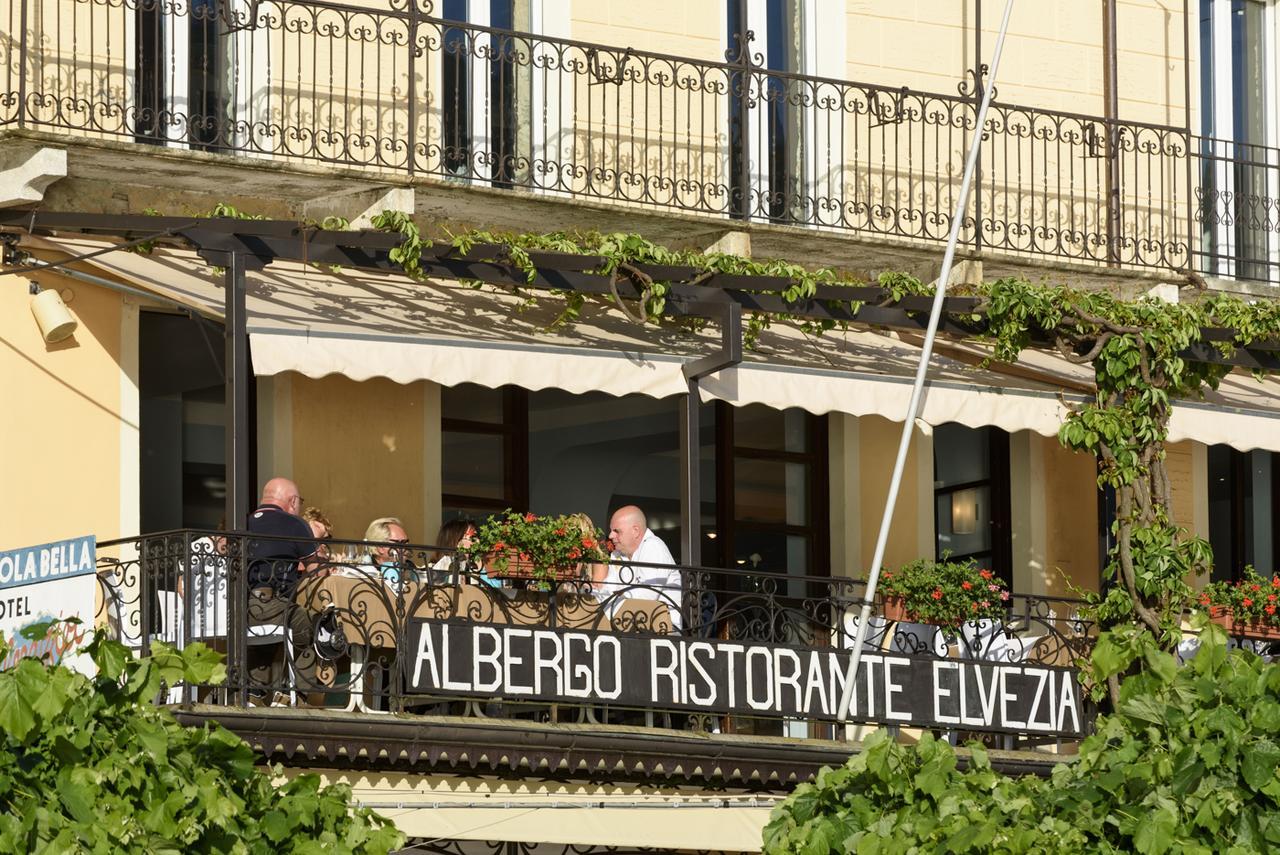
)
(362, 324)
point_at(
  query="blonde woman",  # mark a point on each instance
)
(594, 571)
(383, 539)
(323, 531)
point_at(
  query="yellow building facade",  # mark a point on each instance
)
(1129, 149)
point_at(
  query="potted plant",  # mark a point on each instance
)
(943, 593)
(1249, 607)
(512, 545)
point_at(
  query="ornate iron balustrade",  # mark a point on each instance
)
(362, 637)
(390, 86)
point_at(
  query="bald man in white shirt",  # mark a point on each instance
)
(653, 576)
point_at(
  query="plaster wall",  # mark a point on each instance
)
(911, 536)
(69, 434)
(1071, 517)
(1053, 55)
(362, 450)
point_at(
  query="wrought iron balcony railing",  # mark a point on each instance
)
(702, 648)
(391, 86)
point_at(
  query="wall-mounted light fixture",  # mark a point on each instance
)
(964, 511)
(52, 315)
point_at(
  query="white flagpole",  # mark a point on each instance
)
(908, 424)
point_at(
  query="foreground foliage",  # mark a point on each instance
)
(91, 765)
(1186, 763)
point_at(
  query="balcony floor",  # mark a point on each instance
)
(179, 181)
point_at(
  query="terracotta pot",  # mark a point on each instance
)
(523, 568)
(1222, 616)
(895, 610)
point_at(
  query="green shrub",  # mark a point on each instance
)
(1186, 763)
(91, 765)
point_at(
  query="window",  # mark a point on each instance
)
(1238, 123)
(772, 470)
(766, 125)
(1244, 510)
(478, 78)
(764, 485)
(183, 71)
(182, 440)
(483, 436)
(594, 453)
(971, 496)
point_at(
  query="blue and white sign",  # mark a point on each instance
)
(49, 582)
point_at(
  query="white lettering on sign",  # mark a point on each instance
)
(760, 679)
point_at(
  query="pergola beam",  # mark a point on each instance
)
(267, 240)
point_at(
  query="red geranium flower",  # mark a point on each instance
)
(588, 543)
(499, 545)
(966, 585)
(1255, 587)
(1247, 601)
(937, 593)
(561, 532)
(1270, 610)
(1271, 598)
(985, 574)
(529, 517)
(574, 553)
(1275, 581)
(1204, 599)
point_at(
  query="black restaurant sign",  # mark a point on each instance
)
(670, 672)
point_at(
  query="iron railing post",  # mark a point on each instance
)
(979, 73)
(237, 619)
(1190, 165)
(189, 596)
(22, 67)
(412, 89)
(146, 596)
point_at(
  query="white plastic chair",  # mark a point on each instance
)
(208, 594)
(875, 629)
(987, 640)
(917, 638)
(274, 633)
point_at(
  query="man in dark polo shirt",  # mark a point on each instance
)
(273, 581)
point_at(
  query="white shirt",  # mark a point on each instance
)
(664, 583)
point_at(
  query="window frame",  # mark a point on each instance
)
(999, 488)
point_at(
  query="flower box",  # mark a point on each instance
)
(526, 546)
(895, 610)
(1221, 615)
(942, 593)
(524, 568)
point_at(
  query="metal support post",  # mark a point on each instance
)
(1111, 109)
(926, 350)
(729, 354)
(237, 393)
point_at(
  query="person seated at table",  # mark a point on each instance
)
(641, 566)
(595, 571)
(322, 530)
(447, 565)
(273, 578)
(385, 537)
